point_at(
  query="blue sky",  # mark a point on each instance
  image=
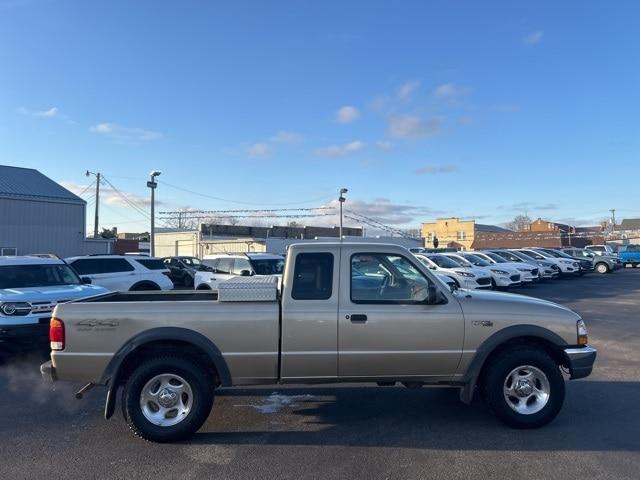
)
(422, 109)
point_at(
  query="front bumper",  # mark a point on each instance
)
(48, 372)
(28, 335)
(580, 361)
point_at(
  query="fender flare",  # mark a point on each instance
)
(486, 348)
(111, 375)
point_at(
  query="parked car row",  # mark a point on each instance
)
(505, 268)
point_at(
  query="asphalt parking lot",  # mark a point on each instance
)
(353, 432)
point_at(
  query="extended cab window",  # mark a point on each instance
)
(382, 278)
(313, 276)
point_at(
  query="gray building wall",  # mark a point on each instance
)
(42, 226)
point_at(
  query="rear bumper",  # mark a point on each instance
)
(581, 361)
(48, 372)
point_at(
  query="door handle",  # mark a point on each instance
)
(358, 318)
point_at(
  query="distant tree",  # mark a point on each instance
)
(109, 232)
(293, 224)
(518, 223)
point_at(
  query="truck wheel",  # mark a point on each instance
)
(602, 268)
(524, 388)
(167, 399)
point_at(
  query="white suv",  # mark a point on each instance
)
(123, 272)
(224, 266)
(30, 288)
(465, 277)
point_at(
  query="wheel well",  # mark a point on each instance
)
(145, 283)
(553, 350)
(203, 286)
(174, 347)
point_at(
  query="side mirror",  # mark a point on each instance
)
(245, 273)
(85, 280)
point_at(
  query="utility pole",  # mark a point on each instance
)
(152, 184)
(95, 218)
(613, 218)
(341, 200)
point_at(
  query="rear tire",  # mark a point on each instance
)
(167, 398)
(524, 387)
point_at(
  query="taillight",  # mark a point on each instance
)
(56, 334)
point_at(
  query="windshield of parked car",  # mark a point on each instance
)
(460, 261)
(443, 262)
(536, 255)
(553, 253)
(271, 266)
(523, 256)
(512, 256)
(44, 275)
(476, 260)
(191, 261)
(495, 257)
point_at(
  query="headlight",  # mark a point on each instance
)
(500, 272)
(566, 262)
(583, 337)
(465, 274)
(15, 308)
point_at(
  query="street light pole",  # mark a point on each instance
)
(152, 184)
(341, 200)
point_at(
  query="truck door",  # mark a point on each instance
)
(386, 327)
(310, 317)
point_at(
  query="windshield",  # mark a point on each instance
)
(496, 258)
(553, 253)
(443, 262)
(512, 256)
(48, 275)
(524, 257)
(191, 261)
(460, 261)
(533, 254)
(271, 266)
(475, 260)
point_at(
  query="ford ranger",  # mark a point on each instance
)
(346, 312)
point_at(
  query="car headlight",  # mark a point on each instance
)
(15, 308)
(465, 274)
(566, 262)
(500, 272)
(583, 337)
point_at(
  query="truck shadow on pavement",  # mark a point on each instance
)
(597, 416)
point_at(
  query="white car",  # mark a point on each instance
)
(566, 265)
(500, 276)
(224, 266)
(120, 273)
(546, 270)
(528, 273)
(465, 277)
(30, 288)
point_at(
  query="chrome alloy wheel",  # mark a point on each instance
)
(526, 390)
(166, 400)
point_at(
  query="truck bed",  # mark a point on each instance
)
(155, 296)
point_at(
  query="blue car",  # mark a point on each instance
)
(629, 255)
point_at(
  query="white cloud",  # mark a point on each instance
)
(435, 169)
(109, 196)
(533, 38)
(125, 134)
(384, 145)
(52, 112)
(385, 211)
(449, 90)
(412, 126)
(259, 150)
(284, 136)
(336, 151)
(347, 114)
(406, 89)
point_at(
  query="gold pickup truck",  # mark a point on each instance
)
(345, 312)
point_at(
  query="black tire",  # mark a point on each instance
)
(198, 379)
(494, 384)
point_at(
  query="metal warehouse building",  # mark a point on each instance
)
(37, 215)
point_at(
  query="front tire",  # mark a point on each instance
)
(524, 388)
(602, 268)
(167, 398)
